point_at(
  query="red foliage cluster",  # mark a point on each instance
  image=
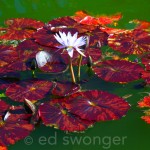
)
(145, 102)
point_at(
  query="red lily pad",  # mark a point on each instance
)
(62, 21)
(45, 37)
(7, 77)
(105, 20)
(29, 48)
(79, 15)
(3, 148)
(146, 61)
(19, 64)
(32, 90)
(20, 28)
(55, 65)
(5, 73)
(84, 18)
(97, 105)
(7, 52)
(146, 119)
(54, 114)
(83, 28)
(4, 83)
(97, 38)
(68, 23)
(65, 88)
(141, 24)
(145, 102)
(15, 125)
(118, 71)
(89, 20)
(19, 57)
(146, 76)
(93, 53)
(3, 108)
(130, 42)
(112, 30)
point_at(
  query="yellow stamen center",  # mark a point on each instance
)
(92, 103)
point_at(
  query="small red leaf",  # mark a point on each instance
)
(145, 102)
(97, 105)
(54, 114)
(32, 90)
(20, 28)
(118, 71)
(130, 42)
(65, 88)
(15, 125)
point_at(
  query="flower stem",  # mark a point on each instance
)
(79, 67)
(72, 72)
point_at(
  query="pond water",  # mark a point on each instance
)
(129, 133)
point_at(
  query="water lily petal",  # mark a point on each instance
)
(64, 38)
(43, 58)
(80, 41)
(57, 37)
(73, 39)
(70, 52)
(79, 50)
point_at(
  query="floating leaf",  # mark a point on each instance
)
(7, 52)
(54, 114)
(4, 84)
(3, 108)
(18, 58)
(97, 38)
(84, 18)
(62, 22)
(146, 76)
(7, 77)
(89, 20)
(15, 124)
(97, 105)
(19, 65)
(65, 88)
(32, 90)
(146, 119)
(20, 28)
(141, 24)
(112, 30)
(29, 48)
(105, 20)
(3, 148)
(118, 71)
(45, 37)
(145, 102)
(27, 51)
(55, 64)
(93, 53)
(130, 42)
(80, 15)
(146, 61)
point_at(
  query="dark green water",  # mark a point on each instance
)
(133, 133)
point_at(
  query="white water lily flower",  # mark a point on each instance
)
(7, 116)
(42, 58)
(71, 43)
